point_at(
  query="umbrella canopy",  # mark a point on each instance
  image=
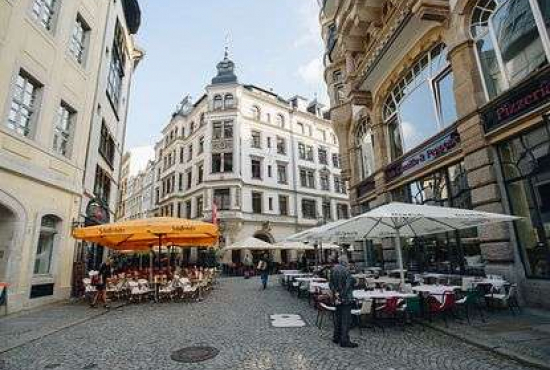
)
(145, 233)
(252, 244)
(315, 233)
(411, 220)
(296, 246)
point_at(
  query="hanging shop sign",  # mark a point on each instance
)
(439, 147)
(527, 96)
(97, 213)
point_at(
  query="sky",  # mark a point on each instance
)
(275, 44)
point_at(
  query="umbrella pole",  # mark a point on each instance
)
(399, 256)
(151, 253)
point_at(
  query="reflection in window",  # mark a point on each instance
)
(525, 162)
(420, 108)
(508, 42)
(364, 148)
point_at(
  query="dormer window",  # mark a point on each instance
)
(218, 102)
(229, 101)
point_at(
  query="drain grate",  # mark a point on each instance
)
(190, 355)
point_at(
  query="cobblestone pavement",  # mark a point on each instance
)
(235, 319)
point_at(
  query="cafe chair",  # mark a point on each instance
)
(508, 298)
(470, 301)
(444, 308)
(322, 310)
(364, 311)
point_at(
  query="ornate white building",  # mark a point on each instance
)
(270, 165)
(137, 199)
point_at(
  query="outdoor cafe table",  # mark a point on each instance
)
(437, 291)
(310, 279)
(314, 285)
(378, 294)
(291, 276)
(384, 280)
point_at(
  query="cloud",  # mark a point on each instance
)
(312, 72)
(139, 157)
(308, 14)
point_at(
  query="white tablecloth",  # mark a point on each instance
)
(380, 294)
(435, 289)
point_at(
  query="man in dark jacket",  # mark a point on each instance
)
(342, 284)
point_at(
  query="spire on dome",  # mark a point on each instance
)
(226, 70)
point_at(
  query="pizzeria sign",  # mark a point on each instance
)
(424, 156)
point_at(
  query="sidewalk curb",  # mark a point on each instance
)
(512, 355)
(58, 329)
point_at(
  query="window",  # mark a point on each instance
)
(281, 174)
(270, 203)
(188, 209)
(43, 11)
(102, 185)
(281, 145)
(107, 145)
(222, 162)
(190, 152)
(309, 130)
(202, 119)
(322, 135)
(323, 157)
(309, 209)
(283, 205)
(229, 101)
(302, 151)
(24, 105)
(189, 175)
(325, 182)
(256, 166)
(256, 113)
(63, 130)
(179, 209)
(256, 139)
(508, 41)
(46, 243)
(342, 211)
(268, 117)
(269, 171)
(77, 45)
(280, 121)
(307, 178)
(257, 202)
(396, 144)
(301, 128)
(222, 198)
(423, 102)
(182, 152)
(364, 148)
(116, 67)
(309, 153)
(336, 160)
(269, 142)
(327, 211)
(180, 182)
(200, 173)
(201, 145)
(222, 130)
(218, 102)
(339, 185)
(200, 207)
(191, 127)
(338, 87)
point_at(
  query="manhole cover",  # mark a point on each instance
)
(191, 355)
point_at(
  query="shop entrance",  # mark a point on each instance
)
(8, 222)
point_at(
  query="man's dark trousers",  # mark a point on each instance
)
(342, 324)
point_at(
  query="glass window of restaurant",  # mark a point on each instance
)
(453, 252)
(511, 38)
(525, 162)
(422, 103)
(364, 147)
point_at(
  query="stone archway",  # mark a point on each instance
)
(12, 219)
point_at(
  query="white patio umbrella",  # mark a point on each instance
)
(251, 244)
(411, 220)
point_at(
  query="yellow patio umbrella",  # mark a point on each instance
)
(145, 233)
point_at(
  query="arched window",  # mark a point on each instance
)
(218, 102)
(508, 41)
(191, 127)
(229, 101)
(256, 113)
(47, 240)
(280, 121)
(421, 103)
(364, 147)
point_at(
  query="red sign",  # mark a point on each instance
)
(415, 161)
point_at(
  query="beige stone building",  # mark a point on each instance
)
(446, 102)
(57, 64)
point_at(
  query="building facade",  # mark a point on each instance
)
(446, 102)
(137, 200)
(53, 75)
(270, 166)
